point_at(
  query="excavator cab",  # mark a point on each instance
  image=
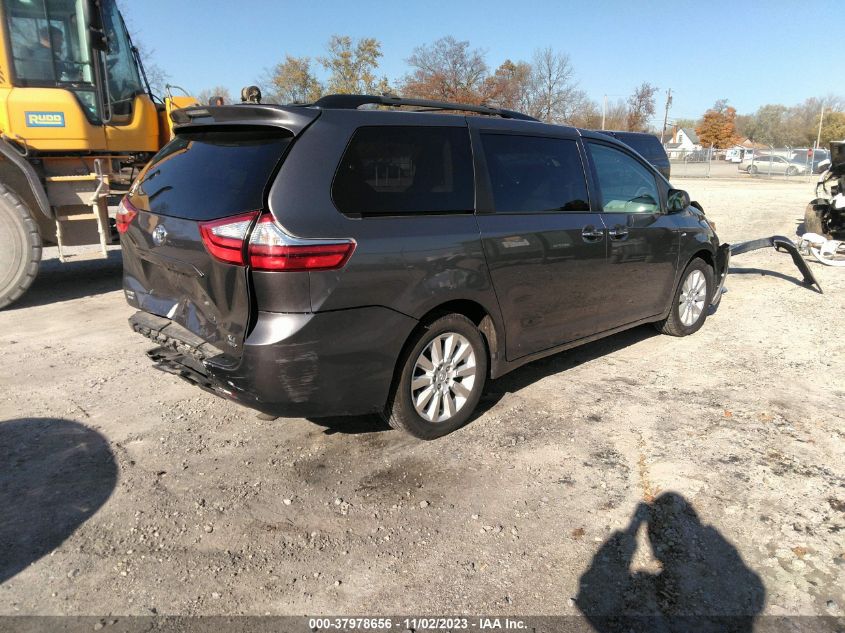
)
(77, 120)
(75, 79)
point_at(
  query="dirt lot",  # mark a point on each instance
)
(127, 491)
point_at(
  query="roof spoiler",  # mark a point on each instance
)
(293, 118)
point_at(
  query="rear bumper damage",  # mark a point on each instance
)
(779, 243)
(292, 365)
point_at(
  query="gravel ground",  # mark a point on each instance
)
(641, 473)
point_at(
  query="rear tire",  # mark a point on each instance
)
(20, 247)
(813, 220)
(441, 377)
(691, 300)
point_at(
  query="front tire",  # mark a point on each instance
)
(752, 169)
(690, 301)
(813, 220)
(441, 378)
(20, 247)
(791, 171)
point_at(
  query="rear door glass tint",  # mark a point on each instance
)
(531, 174)
(212, 174)
(392, 170)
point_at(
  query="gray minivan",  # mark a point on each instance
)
(329, 259)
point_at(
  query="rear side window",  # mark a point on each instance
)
(394, 170)
(532, 174)
(212, 174)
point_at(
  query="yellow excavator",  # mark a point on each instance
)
(77, 119)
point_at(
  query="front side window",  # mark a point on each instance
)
(48, 41)
(625, 184)
(394, 170)
(532, 174)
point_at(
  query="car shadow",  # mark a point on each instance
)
(771, 273)
(57, 281)
(54, 475)
(702, 583)
(560, 362)
(514, 381)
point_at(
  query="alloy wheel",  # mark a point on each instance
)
(693, 297)
(444, 375)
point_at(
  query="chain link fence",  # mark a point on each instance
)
(786, 163)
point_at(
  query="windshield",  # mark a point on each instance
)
(124, 81)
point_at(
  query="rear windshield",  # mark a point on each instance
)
(207, 175)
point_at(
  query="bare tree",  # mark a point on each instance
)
(641, 107)
(156, 75)
(554, 96)
(447, 69)
(616, 115)
(206, 95)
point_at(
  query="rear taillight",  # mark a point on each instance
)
(125, 214)
(224, 239)
(270, 248)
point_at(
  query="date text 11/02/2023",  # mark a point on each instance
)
(416, 624)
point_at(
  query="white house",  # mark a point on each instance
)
(684, 141)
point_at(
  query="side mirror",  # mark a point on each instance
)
(677, 201)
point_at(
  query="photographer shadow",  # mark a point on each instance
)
(703, 584)
(54, 475)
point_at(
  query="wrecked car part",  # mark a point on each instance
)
(827, 252)
(779, 242)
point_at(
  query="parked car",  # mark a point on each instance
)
(770, 164)
(326, 260)
(648, 146)
(818, 160)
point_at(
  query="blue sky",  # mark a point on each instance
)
(750, 52)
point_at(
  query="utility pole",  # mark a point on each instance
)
(819, 137)
(603, 111)
(666, 116)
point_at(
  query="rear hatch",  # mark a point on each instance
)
(216, 171)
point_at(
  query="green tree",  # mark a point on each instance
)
(833, 128)
(352, 65)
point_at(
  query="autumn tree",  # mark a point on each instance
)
(205, 96)
(448, 70)
(352, 65)
(641, 107)
(292, 81)
(509, 86)
(718, 126)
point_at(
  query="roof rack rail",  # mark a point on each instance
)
(351, 102)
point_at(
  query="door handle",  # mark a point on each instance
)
(591, 234)
(618, 233)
